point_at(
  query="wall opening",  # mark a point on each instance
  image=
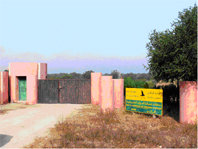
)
(22, 88)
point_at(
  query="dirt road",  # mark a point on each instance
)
(20, 127)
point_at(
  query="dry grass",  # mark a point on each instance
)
(90, 129)
(13, 106)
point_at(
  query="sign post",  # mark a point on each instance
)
(142, 100)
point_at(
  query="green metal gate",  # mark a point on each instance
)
(22, 88)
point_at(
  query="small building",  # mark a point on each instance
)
(23, 79)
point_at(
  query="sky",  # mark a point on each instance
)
(81, 35)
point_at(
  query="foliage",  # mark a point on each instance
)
(87, 74)
(129, 83)
(66, 76)
(173, 53)
(76, 75)
(151, 84)
(137, 76)
(116, 74)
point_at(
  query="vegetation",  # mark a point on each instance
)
(92, 129)
(87, 74)
(173, 53)
(130, 83)
(116, 74)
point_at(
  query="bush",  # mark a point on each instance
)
(116, 74)
(129, 83)
(66, 76)
(151, 84)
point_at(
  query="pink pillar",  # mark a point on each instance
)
(32, 89)
(1, 80)
(118, 92)
(42, 70)
(13, 88)
(3, 87)
(188, 101)
(95, 88)
(107, 93)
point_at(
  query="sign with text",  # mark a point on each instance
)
(144, 100)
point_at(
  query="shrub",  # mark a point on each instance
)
(66, 76)
(129, 83)
(151, 84)
(116, 74)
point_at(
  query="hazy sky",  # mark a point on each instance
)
(80, 35)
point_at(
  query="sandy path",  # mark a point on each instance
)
(20, 127)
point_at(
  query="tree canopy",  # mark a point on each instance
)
(172, 54)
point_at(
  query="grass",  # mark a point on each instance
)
(90, 128)
(13, 106)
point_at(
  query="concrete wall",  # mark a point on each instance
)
(188, 101)
(31, 71)
(3, 87)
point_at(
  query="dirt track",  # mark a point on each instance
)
(19, 127)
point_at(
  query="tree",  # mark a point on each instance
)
(66, 76)
(172, 54)
(87, 74)
(76, 75)
(116, 74)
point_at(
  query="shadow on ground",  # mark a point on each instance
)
(4, 139)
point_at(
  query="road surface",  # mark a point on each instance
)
(20, 127)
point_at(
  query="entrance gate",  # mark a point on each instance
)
(64, 91)
(22, 88)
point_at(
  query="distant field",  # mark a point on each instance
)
(89, 129)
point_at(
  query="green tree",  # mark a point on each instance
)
(87, 74)
(172, 54)
(66, 76)
(128, 82)
(116, 74)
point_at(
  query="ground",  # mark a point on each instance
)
(90, 128)
(20, 124)
(70, 125)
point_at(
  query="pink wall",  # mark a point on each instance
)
(23, 69)
(118, 92)
(31, 72)
(107, 94)
(95, 88)
(3, 87)
(188, 101)
(32, 89)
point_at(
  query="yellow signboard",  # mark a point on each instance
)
(144, 100)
